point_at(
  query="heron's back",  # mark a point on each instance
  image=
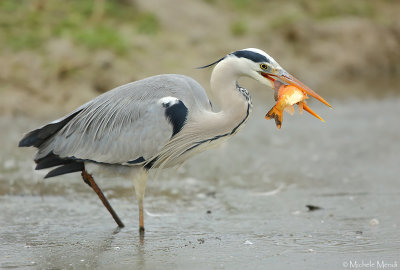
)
(180, 86)
(122, 125)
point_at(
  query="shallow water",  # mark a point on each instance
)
(242, 205)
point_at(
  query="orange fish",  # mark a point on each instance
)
(287, 96)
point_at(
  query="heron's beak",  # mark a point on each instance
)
(287, 78)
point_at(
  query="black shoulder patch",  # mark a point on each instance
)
(177, 115)
(253, 56)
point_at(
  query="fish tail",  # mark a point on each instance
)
(276, 114)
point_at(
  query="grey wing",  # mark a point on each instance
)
(127, 125)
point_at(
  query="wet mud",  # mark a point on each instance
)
(245, 205)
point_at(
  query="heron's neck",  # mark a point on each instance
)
(234, 102)
(209, 128)
(223, 87)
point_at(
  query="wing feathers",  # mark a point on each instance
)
(128, 122)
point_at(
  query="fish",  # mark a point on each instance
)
(287, 96)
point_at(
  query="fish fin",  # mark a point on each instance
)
(290, 109)
(308, 109)
(276, 114)
(301, 106)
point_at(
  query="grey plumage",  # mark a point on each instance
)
(123, 124)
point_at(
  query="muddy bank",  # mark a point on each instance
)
(242, 205)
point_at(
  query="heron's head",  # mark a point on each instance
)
(258, 65)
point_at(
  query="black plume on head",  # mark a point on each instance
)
(209, 65)
(251, 55)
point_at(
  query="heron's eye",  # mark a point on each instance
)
(263, 66)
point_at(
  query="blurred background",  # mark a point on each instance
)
(54, 57)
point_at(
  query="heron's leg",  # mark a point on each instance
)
(91, 183)
(141, 220)
(139, 181)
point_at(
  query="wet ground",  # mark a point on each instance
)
(241, 206)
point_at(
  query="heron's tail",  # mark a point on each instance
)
(276, 114)
(63, 165)
(38, 136)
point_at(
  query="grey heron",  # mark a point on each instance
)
(156, 122)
